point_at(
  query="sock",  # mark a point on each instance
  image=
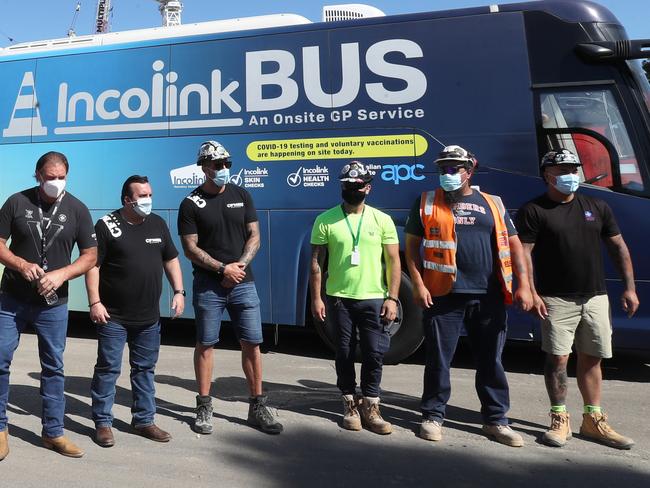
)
(592, 409)
(558, 408)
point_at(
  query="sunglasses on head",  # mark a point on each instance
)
(451, 170)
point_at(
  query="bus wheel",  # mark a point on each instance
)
(406, 332)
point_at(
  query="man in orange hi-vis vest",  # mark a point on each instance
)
(461, 251)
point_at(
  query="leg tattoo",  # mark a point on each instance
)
(555, 376)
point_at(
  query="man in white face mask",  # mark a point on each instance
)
(561, 232)
(44, 224)
(134, 248)
(462, 251)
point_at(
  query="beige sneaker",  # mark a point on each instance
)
(503, 434)
(351, 418)
(431, 430)
(560, 430)
(371, 418)
(4, 444)
(595, 426)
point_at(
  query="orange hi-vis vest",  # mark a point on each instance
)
(439, 243)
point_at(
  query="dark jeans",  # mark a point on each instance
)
(51, 325)
(348, 315)
(144, 346)
(484, 318)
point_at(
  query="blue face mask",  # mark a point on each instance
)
(451, 182)
(221, 177)
(567, 184)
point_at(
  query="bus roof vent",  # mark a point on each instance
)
(349, 11)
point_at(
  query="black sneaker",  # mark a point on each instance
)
(259, 415)
(203, 421)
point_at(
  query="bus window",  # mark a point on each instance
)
(595, 110)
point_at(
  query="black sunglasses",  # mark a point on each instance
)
(450, 170)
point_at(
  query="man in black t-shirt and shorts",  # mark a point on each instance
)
(220, 234)
(561, 232)
(134, 247)
(44, 223)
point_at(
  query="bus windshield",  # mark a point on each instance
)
(642, 81)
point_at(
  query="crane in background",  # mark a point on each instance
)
(102, 18)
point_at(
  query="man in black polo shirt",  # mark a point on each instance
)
(220, 233)
(44, 223)
(561, 232)
(124, 294)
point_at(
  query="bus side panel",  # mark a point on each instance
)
(19, 104)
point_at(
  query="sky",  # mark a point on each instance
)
(31, 20)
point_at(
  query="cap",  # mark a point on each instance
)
(564, 156)
(456, 153)
(355, 172)
(212, 151)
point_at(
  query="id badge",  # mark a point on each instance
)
(355, 258)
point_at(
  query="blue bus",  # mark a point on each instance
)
(293, 101)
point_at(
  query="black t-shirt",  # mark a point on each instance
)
(567, 256)
(20, 220)
(476, 246)
(131, 260)
(220, 222)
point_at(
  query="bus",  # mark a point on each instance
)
(294, 101)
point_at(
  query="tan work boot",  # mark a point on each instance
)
(560, 430)
(63, 446)
(503, 434)
(595, 426)
(4, 444)
(431, 430)
(371, 418)
(351, 418)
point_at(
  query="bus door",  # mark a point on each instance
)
(593, 124)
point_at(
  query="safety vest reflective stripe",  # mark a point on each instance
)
(442, 268)
(436, 244)
(428, 204)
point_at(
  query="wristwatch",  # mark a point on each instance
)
(179, 292)
(392, 298)
(221, 268)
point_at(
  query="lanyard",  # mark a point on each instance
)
(45, 227)
(355, 239)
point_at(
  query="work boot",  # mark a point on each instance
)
(595, 426)
(4, 444)
(104, 436)
(371, 418)
(153, 432)
(259, 415)
(560, 430)
(203, 420)
(63, 446)
(503, 434)
(431, 430)
(351, 418)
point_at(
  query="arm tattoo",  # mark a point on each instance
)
(317, 258)
(252, 244)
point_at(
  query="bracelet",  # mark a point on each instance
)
(393, 299)
(90, 305)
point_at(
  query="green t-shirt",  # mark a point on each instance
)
(365, 280)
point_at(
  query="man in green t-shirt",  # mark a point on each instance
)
(356, 236)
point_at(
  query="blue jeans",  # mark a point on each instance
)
(144, 346)
(348, 316)
(51, 325)
(211, 299)
(484, 318)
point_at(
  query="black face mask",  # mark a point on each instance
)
(352, 196)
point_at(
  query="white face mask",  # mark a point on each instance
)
(53, 188)
(142, 206)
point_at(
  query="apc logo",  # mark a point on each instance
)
(401, 172)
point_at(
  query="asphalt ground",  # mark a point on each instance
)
(313, 450)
